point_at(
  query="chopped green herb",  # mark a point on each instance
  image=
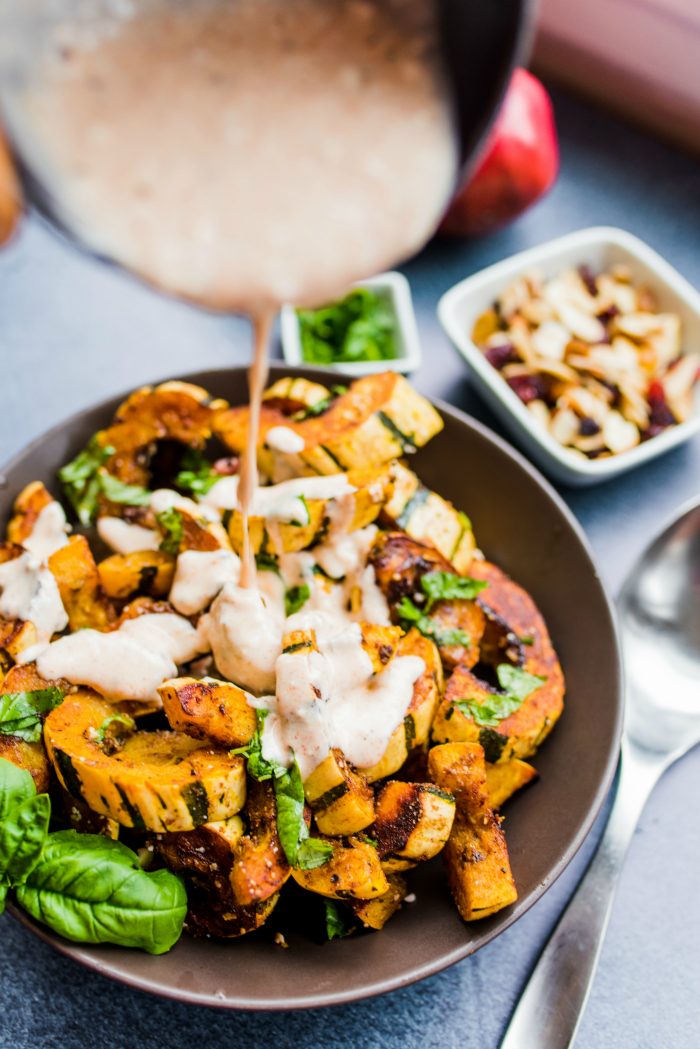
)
(171, 522)
(338, 922)
(447, 586)
(266, 562)
(517, 685)
(410, 615)
(526, 639)
(196, 473)
(20, 712)
(118, 492)
(296, 597)
(101, 734)
(360, 327)
(80, 478)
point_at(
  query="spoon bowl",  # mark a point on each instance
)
(659, 613)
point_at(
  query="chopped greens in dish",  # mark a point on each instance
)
(369, 703)
(360, 327)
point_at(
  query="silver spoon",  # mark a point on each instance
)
(659, 615)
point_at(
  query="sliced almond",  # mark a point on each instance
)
(586, 404)
(618, 434)
(540, 411)
(637, 325)
(550, 340)
(515, 296)
(565, 425)
(622, 296)
(666, 341)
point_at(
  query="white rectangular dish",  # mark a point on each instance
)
(599, 248)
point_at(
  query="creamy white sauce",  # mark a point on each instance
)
(28, 591)
(244, 632)
(278, 502)
(48, 533)
(331, 698)
(126, 537)
(167, 499)
(199, 576)
(285, 440)
(128, 663)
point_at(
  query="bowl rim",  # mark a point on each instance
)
(459, 293)
(84, 955)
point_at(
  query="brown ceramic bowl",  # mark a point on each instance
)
(523, 525)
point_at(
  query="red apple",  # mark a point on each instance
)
(518, 165)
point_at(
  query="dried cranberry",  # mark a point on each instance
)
(502, 354)
(528, 387)
(660, 415)
(588, 278)
(605, 316)
(588, 427)
(226, 467)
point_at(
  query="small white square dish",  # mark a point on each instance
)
(396, 291)
(599, 249)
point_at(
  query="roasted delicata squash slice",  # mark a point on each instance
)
(414, 731)
(152, 781)
(340, 798)
(380, 418)
(259, 868)
(374, 914)
(15, 634)
(145, 572)
(516, 635)
(413, 821)
(208, 709)
(208, 915)
(296, 396)
(399, 564)
(28, 505)
(174, 411)
(424, 515)
(201, 534)
(476, 855)
(507, 777)
(352, 872)
(75, 571)
(371, 486)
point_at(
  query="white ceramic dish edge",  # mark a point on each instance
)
(398, 291)
(598, 246)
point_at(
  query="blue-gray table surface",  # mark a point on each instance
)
(73, 332)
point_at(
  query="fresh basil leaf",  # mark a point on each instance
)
(289, 795)
(301, 850)
(20, 712)
(338, 922)
(517, 685)
(171, 522)
(296, 597)
(447, 586)
(91, 889)
(100, 735)
(196, 473)
(24, 818)
(80, 479)
(410, 615)
(22, 837)
(517, 682)
(118, 492)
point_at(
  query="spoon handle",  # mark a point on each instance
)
(552, 1003)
